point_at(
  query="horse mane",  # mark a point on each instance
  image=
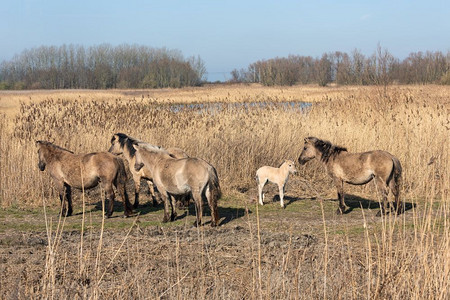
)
(127, 142)
(326, 148)
(53, 146)
(155, 149)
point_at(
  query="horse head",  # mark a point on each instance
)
(309, 150)
(138, 162)
(116, 144)
(41, 155)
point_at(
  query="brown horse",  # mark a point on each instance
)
(83, 171)
(357, 169)
(182, 176)
(123, 144)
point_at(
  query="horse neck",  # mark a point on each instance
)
(153, 158)
(126, 153)
(56, 154)
(284, 169)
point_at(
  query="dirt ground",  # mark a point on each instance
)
(140, 257)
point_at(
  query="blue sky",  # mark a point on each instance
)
(229, 34)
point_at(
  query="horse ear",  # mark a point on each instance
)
(38, 143)
(136, 147)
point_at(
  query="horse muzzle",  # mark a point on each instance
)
(41, 166)
(303, 161)
(137, 167)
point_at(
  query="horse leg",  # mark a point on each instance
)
(137, 186)
(260, 192)
(151, 189)
(198, 208)
(121, 189)
(62, 192)
(340, 192)
(281, 191)
(166, 201)
(382, 188)
(394, 185)
(173, 203)
(68, 193)
(212, 202)
(109, 197)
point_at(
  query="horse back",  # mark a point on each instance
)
(354, 167)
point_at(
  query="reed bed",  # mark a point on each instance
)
(391, 257)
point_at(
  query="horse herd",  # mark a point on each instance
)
(177, 176)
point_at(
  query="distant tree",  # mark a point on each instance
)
(324, 70)
(101, 67)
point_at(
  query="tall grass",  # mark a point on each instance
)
(399, 257)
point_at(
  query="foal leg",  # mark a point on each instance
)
(260, 191)
(281, 191)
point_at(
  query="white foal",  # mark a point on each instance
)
(278, 176)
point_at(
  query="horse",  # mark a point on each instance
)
(356, 169)
(181, 176)
(84, 171)
(123, 144)
(279, 176)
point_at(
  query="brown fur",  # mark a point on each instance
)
(123, 144)
(356, 168)
(183, 176)
(66, 169)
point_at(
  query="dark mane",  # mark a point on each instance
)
(127, 142)
(53, 146)
(327, 149)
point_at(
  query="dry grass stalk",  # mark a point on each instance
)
(396, 257)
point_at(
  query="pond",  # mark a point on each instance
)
(212, 108)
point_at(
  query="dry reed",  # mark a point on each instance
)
(393, 257)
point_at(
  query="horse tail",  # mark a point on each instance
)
(215, 194)
(121, 180)
(396, 181)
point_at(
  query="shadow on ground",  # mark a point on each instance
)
(353, 201)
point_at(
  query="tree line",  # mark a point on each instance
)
(100, 67)
(135, 66)
(380, 68)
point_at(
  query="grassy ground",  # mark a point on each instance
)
(304, 251)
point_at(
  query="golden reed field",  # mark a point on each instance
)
(304, 251)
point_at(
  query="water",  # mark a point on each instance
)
(212, 108)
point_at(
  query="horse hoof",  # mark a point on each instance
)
(173, 217)
(340, 211)
(135, 205)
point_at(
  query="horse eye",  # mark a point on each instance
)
(304, 148)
